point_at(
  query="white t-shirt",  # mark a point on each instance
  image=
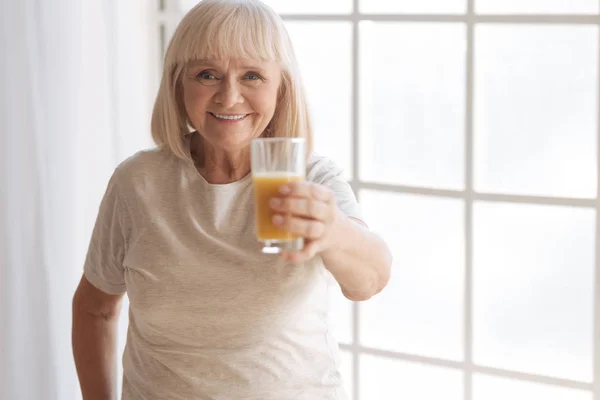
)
(210, 316)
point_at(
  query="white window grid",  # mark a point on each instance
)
(168, 17)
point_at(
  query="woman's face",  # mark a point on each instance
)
(230, 102)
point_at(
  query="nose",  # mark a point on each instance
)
(229, 94)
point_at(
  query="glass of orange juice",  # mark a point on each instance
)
(275, 162)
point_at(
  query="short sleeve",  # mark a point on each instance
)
(104, 261)
(323, 171)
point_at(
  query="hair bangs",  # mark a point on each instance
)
(241, 30)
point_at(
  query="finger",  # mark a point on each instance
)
(301, 207)
(306, 228)
(307, 190)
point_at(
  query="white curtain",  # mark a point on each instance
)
(77, 80)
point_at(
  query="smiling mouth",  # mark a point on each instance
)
(229, 117)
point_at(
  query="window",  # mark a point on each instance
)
(469, 130)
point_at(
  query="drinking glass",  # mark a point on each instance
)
(275, 162)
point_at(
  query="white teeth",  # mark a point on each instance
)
(230, 117)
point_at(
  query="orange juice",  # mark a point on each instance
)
(266, 186)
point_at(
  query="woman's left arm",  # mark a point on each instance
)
(356, 257)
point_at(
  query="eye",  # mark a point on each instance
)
(253, 76)
(206, 76)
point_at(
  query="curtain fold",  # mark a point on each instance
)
(76, 86)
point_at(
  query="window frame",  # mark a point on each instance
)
(167, 17)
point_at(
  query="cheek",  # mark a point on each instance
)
(267, 103)
(195, 100)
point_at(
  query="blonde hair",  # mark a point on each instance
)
(219, 29)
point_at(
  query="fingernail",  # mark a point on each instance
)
(274, 202)
(284, 189)
(277, 219)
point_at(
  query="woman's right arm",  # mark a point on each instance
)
(94, 338)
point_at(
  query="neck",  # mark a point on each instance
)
(219, 166)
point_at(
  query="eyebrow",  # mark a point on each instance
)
(195, 63)
(208, 63)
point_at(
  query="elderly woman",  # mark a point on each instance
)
(211, 316)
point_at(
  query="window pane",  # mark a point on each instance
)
(346, 371)
(492, 388)
(414, 6)
(186, 5)
(536, 110)
(425, 294)
(324, 51)
(389, 379)
(533, 289)
(536, 6)
(340, 315)
(412, 103)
